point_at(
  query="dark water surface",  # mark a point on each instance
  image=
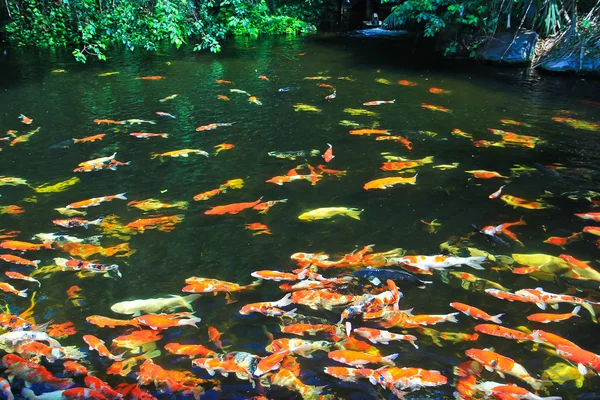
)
(64, 106)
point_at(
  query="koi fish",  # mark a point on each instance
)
(181, 153)
(356, 358)
(223, 146)
(136, 339)
(330, 212)
(150, 78)
(317, 78)
(207, 285)
(482, 174)
(500, 331)
(259, 228)
(563, 241)
(435, 90)
(503, 365)
(12, 210)
(165, 114)
(403, 82)
(90, 138)
(231, 208)
(270, 309)
(505, 391)
(582, 358)
(223, 97)
(96, 201)
(30, 372)
(16, 245)
(264, 207)
(383, 81)
(137, 121)
(379, 102)
(163, 224)
(594, 216)
(458, 132)
(369, 132)
(147, 135)
(546, 318)
(376, 336)
(476, 313)
(264, 78)
(519, 202)
(76, 222)
(395, 163)
(306, 107)
(239, 91)
(384, 183)
(223, 81)
(108, 122)
(435, 108)
(171, 97)
(164, 321)
(148, 306)
(212, 126)
(254, 100)
(25, 120)
(8, 288)
(401, 139)
(278, 276)
(108, 73)
(496, 193)
(513, 122)
(101, 387)
(16, 275)
(154, 204)
(103, 322)
(190, 350)
(19, 260)
(427, 263)
(75, 369)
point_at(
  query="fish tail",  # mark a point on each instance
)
(96, 221)
(575, 311)
(413, 180)
(452, 318)
(153, 156)
(47, 245)
(253, 284)
(496, 318)
(121, 196)
(190, 321)
(534, 383)
(285, 301)
(589, 307)
(22, 293)
(187, 300)
(390, 359)
(355, 213)
(290, 313)
(427, 160)
(475, 262)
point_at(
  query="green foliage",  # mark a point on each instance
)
(92, 25)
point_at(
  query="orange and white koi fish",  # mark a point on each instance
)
(80, 393)
(376, 336)
(594, 230)
(8, 288)
(180, 153)
(583, 358)
(19, 260)
(328, 155)
(5, 389)
(594, 216)
(503, 365)
(171, 97)
(496, 193)
(482, 174)
(379, 102)
(75, 369)
(508, 392)
(435, 108)
(258, 228)
(545, 318)
(96, 344)
(167, 381)
(31, 372)
(427, 263)
(207, 285)
(25, 120)
(336, 172)
(16, 245)
(384, 183)
(476, 313)
(254, 100)
(165, 321)
(231, 208)
(214, 336)
(212, 126)
(108, 122)
(16, 275)
(103, 322)
(404, 82)
(322, 298)
(369, 132)
(407, 378)
(505, 295)
(348, 374)
(101, 387)
(271, 308)
(264, 207)
(190, 350)
(542, 298)
(356, 358)
(150, 78)
(73, 295)
(334, 332)
(96, 201)
(435, 90)
(90, 138)
(278, 276)
(458, 132)
(223, 146)
(224, 367)
(394, 165)
(147, 135)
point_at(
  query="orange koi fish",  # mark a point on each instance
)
(264, 207)
(24, 246)
(81, 394)
(458, 132)
(476, 313)
(594, 216)
(154, 204)
(482, 174)
(96, 201)
(435, 90)
(384, 183)
(153, 373)
(435, 108)
(356, 358)
(16, 275)
(212, 365)
(369, 132)
(223, 146)
(403, 82)
(231, 208)
(409, 378)
(335, 332)
(545, 318)
(96, 344)
(31, 372)
(101, 387)
(376, 336)
(328, 155)
(224, 81)
(594, 230)
(108, 122)
(73, 295)
(563, 241)
(503, 365)
(163, 224)
(255, 100)
(504, 295)
(583, 358)
(75, 369)
(379, 102)
(401, 139)
(258, 228)
(8, 288)
(190, 350)
(136, 339)
(293, 175)
(103, 322)
(513, 122)
(25, 120)
(519, 202)
(212, 126)
(150, 78)
(214, 335)
(19, 260)
(207, 195)
(223, 97)
(147, 135)
(278, 276)
(165, 321)
(427, 320)
(180, 153)
(264, 78)
(87, 250)
(207, 285)
(322, 298)
(12, 210)
(90, 138)
(326, 85)
(335, 172)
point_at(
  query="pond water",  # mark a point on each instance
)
(64, 98)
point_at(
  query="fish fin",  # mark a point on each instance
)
(589, 307)
(285, 301)
(22, 293)
(291, 313)
(190, 321)
(501, 374)
(496, 318)
(575, 311)
(582, 369)
(390, 359)
(475, 262)
(452, 318)
(554, 306)
(541, 305)
(121, 196)
(348, 328)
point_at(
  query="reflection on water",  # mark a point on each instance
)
(437, 133)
